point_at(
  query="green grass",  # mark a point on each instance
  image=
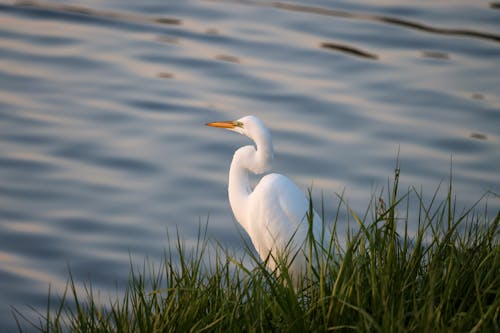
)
(443, 276)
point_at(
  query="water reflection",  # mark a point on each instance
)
(228, 58)
(349, 50)
(212, 31)
(388, 19)
(436, 55)
(479, 136)
(167, 39)
(165, 75)
(103, 14)
(369, 17)
(280, 5)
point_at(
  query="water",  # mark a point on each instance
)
(103, 147)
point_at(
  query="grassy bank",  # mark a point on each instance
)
(379, 278)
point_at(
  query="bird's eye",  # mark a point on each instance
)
(238, 124)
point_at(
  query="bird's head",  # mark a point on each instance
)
(248, 125)
(257, 159)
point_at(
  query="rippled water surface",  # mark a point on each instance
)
(103, 147)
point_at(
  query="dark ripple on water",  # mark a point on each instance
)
(102, 143)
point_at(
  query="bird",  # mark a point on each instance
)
(275, 213)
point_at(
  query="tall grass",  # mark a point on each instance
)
(445, 276)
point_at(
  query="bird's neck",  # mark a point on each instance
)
(245, 160)
(263, 154)
(239, 189)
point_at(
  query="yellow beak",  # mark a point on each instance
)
(225, 124)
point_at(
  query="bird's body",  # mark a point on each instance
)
(278, 223)
(274, 213)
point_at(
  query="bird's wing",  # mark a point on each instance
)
(276, 215)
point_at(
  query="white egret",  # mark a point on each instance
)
(274, 213)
